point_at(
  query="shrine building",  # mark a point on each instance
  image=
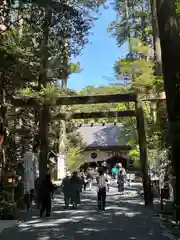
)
(105, 143)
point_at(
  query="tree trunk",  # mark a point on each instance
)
(3, 121)
(44, 112)
(43, 135)
(64, 77)
(156, 40)
(64, 83)
(62, 133)
(170, 46)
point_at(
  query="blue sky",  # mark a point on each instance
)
(98, 57)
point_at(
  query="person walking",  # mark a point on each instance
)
(27, 201)
(121, 177)
(101, 191)
(66, 189)
(37, 192)
(46, 193)
(89, 180)
(32, 197)
(115, 172)
(76, 186)
(108, 181)
(83, 180)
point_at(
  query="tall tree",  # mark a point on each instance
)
(44, 27)
(170, 45)
(156, 39)
(137, 68)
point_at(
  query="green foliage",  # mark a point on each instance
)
(137, 70)
(177, 3)
(22, 63)
(75, 158)
(134, 154)
(74, 67)
(140, 68)
(135, 22)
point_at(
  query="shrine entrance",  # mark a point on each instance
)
(111, 162)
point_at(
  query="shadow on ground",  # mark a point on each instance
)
(125, 218)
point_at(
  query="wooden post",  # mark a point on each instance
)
(143, 152)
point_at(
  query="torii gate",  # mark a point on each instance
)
(127, 97)
(137, 112)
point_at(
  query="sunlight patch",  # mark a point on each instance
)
(117, 208)
(43, 238)
(131, 214)
(34, 221)
(90, 230)
(50, 223)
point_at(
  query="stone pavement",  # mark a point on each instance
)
(125, 218)
(7, 224)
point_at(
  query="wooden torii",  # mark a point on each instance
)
(115, 98)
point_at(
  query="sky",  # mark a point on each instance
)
(98, 56)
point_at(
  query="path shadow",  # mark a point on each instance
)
(125, 218)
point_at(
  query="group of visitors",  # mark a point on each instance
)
(119, 174)
(72, 186)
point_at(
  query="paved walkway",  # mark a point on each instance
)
(125, 218)
(7, 224)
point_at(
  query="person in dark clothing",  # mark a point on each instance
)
(75, 182)
(85, 183)
(66, 189)
(32, 197)
(83, 180)
(102, 188)
(121, 176)
(27, 201)
(37, 192)
(46, 191)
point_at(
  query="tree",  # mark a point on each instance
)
(75, 158)
(170, 46)
(138, 23)
(33, 38)
(138, 66)
(156, 39)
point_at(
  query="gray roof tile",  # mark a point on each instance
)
(102, 136)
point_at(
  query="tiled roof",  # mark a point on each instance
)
(102, 136)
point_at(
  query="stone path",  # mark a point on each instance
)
(125, 218)
(7, 224)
